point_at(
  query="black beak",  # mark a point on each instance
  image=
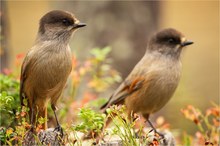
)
(78, 25)
(186, 43)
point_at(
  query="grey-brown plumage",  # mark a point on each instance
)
(154, 79)
(47, 65)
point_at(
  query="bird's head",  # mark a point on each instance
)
(168, 41)
(58, 24)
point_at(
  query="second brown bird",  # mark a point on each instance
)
(152, 82)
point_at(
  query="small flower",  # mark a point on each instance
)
(87, 64)
(20, 56)
(216, 122)
(155, 142)
(160, 120)
(213, 111)
(192, 114)
(88, 97)
(7, 71)
(199, 135)
(82, 71)
(9, 131)
(39, 128)
(27, 125)
(75, 77)
(208, 143)
(76, 104)
(23, 114)
(74, 62)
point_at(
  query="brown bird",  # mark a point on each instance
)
(152, 82)
(48, 64)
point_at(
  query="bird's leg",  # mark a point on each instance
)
(58, 127)
(32, 119)
(152, 126)
(146, 116)
(32, 116)
(155, 130)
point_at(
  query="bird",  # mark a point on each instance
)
(154, 79)
(47, 64)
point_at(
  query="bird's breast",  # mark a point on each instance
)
(162, 86)
(51, 67)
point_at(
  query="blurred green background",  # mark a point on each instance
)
(126, 26)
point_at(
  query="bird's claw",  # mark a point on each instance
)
(32, 128)
(160, 134)
(59, 129)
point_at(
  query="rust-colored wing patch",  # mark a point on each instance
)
(127, 88)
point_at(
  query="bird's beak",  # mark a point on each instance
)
(186, 43)
(78, 25)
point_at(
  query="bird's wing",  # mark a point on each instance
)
(25, 68)
(128, 87)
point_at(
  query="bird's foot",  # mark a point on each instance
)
(60, 130)
(32, 129)
(159, 136)
(155, 130)
(158, 133)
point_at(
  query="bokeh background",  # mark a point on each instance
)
(126, 27)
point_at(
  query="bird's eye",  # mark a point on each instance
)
(66, 22)
(171, 41)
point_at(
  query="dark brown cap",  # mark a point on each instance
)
(59, 17)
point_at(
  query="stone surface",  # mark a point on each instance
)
(51, 137)
(47, 137)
